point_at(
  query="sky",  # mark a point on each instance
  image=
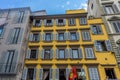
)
(51, 6)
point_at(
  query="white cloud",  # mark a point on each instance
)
(67, 2)
(84, 5)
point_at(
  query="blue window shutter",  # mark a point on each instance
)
(56, 35)
(42, 55)
(83, 36)
(96, 46)
(24, 74)
(70, 51)
(43, 36)
(34, 21)
(28, 54)
(52, 36)
(92, 29)
(57, 74)
(69, 36)
(37, 53)
(3, 60)
(41, 74)
(99, 29)
(87, 36)
(64, 21)
(15, 62)
(80, 52)
(52, 22)
(78, 36)
(66, 53)
(57, 56)
(51, 53)
(38, 39)
(31, 37)
(45, 22)
(67, 73)
(91, 53)
(20, 35)
(51, 71)
(87, 53)
(108, 45)
(34, 75)
(65, 35)
(56, 21)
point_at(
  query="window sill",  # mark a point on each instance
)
(34, 41)
(75, 58)
(31, 58)
(46, 59)
(86, 40)
(47, 41)
(111, 14)
(60, 40)
(114, 33)
(90, 58)
(48, 25)
(61, 59)
(103, 51)
(73, 40)
(83, 24)
(60, 25)
(36, 26)
(72, 25)
(98, 34)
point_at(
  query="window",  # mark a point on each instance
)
(89, 53)
(60, 22)
(15, 35)
(34, 37)
(73, 36)
(61, 36)
(75, 53)
(61, 53)
(48, 22)
(83, 21)
(20, 16)
(9, 62)
(103, 45)
(96, 29)
(116, 26)
(119, 50)
(31, 74)
(86, 35)
(32, 53)
(1, 31)
(110, 73)
(92, 6)
(110, 9)
(93, 73)
(37, 22)
(71, 22)
(47, 54)
(48, 37)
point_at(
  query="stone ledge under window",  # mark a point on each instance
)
(90, 58)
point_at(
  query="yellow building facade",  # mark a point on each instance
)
(59, 42)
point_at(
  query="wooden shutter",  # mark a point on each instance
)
(69, 36)
(70, 51)
(28, 54)
(67, 73)
(42, 55)
(24, 74)
(45, 22)
(51, 53)
(43, 36)
(51, 71)
(34, 74)
(37, 52)
(34, 21)
(41, 74)
(92, 29)
(66, 53)
(78, 36)
(31, 37)
(64, 21)
(99, 29)
(96, 46)
(56, 35)
(52, 22)
(38, 39)
(65, 35)
(57, 74)
(108, 45)
(57, 56)
(83, 35)
(15, 62)
(80, 52)
(52, 36)
(87, 36)
(20, 38)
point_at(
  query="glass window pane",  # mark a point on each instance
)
(61, 36)
(48, 37)
(47, 54)
(75, 53)
(61, 53)
(73, 36)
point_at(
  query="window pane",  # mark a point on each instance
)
(47, 54)
(75, 53)
(73, 36)
(33, 53)
(16, 35)
(35, 37)
(61, 53)
(1, 30)
(48, 37)
(61, 36)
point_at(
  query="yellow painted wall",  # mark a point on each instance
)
(104, 59)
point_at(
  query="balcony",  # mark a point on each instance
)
(9, 69)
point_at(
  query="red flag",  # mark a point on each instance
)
(74, 72)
